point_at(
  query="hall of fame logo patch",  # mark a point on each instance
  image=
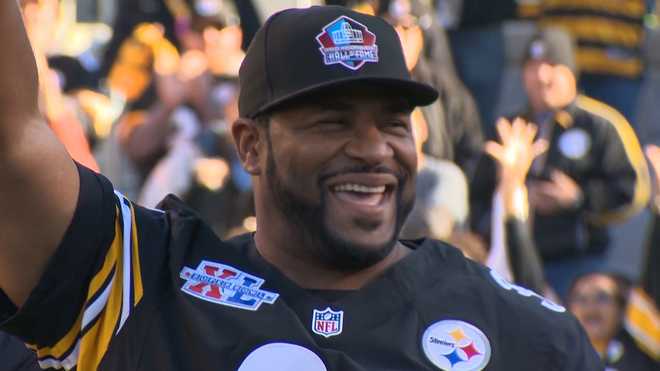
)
(327, 322)
(225, 285)
(347, 42)
(454, 345)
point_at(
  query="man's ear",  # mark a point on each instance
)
(248, 138)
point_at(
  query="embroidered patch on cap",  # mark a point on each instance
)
(327, 322)
(454, 345)
(221, 284)
(347, 42)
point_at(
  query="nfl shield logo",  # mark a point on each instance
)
(327, 322)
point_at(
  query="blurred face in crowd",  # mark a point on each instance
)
(549, 87)
(340, 169)
(420, 130)
(594, 300)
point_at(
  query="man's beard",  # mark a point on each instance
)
(310, 219)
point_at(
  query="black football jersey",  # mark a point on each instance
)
(132, 288)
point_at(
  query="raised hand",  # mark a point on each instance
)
(514, 155)
(517, 149)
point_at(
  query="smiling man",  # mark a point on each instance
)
(340, 199)
(324, 283)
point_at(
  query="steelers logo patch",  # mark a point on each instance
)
(574, 143)
(454, 345)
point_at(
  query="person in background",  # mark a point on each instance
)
(173, 15)
(441, 204)
(40, 18)
(478, 45)
(178, 102)
(454, 125)
(610, 40)
(513, 253)
(593, 174)
(642, 319)
(598, 300)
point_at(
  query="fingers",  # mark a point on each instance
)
(562, 180)
(495, 150)
(539, 147)
(547, 189)
(518, 129)
(530, 130)
(503, 130)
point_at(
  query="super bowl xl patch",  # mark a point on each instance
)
(225, 285)
(347, 42)
(453, 345)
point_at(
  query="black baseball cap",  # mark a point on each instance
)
(303, 51)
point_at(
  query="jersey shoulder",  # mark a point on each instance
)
(192, 239)
(513, 312)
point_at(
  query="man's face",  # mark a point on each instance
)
(548, 86)
(340, 167)
(594, 302)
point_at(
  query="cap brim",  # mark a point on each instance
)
(418, 94)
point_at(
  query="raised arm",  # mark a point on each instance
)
(514, 156)
(39, 184)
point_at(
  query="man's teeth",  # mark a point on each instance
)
(350, 187)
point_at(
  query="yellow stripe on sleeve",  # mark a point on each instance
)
(95, 342)
(633, 151)
(110, 261)
(138, 291)
(70, 339)
(65, 344)
(643, 323)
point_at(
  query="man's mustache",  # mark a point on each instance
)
(363, 169)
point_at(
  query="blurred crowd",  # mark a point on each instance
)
(539, 144)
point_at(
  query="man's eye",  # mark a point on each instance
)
(398, 126)
(331, 125)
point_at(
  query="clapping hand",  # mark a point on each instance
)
(514, 155)
(517, 149)
(560, 192)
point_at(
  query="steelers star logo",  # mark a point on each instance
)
(454, 345)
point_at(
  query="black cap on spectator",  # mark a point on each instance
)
(302, 51)
(554, 46)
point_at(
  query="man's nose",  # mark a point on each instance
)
(369, 144)
(545, 73)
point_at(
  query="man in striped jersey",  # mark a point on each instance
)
(94, 282)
